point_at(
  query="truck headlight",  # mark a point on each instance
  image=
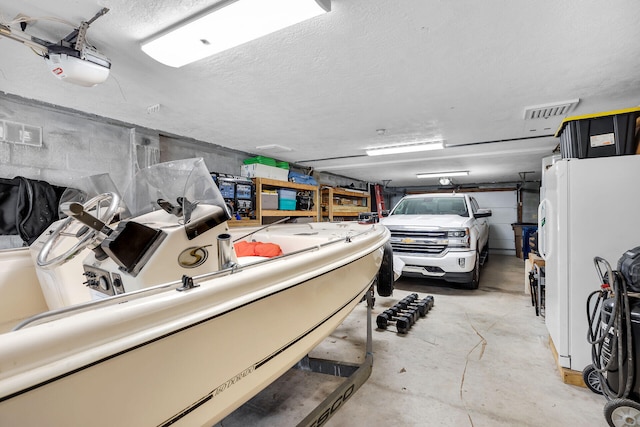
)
(458, 238)
(458, 233)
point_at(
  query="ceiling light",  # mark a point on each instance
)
(442, 174)
(405, 148)
(235, 23)
(445, 181)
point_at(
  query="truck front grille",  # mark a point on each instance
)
(423, 242)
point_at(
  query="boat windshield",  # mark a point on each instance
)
(431, 206)
(85, 188)
(182, 188)
(178, 187)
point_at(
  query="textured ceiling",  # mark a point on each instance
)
(462, 70)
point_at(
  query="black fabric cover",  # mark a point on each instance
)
(27, 207)
(8, 203)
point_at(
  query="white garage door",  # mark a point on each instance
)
(504, 208)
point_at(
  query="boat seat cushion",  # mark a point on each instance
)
(268, 250)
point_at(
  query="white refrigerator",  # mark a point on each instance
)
(589, 207)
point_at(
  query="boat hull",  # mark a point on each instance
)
(184, 358)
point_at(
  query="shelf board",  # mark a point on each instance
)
(286, 184)
(269, 212)
(344, 213)
(350, 193)
(243, 222)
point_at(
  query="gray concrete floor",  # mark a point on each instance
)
(479, 358)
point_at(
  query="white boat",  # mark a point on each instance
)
(155, 320)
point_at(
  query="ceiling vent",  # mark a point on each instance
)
(557, 109)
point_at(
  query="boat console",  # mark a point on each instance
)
(170, 220)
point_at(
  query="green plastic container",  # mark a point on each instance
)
(260, 159)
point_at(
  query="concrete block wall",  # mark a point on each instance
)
(73, 145)
(218, 159)
(76, 145)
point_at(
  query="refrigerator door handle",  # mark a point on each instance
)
(542, 238)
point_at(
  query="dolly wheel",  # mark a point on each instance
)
(622, 413)
(592, 379)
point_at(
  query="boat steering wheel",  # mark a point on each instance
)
(85, 236)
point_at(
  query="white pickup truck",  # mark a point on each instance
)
(442, 236)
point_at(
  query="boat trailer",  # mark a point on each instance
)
(354, 376)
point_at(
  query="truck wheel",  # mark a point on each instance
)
(475, 278)
(385, 274)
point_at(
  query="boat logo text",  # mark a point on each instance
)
(232, 381)
(193, 257)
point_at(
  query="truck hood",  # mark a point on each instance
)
(421, 221)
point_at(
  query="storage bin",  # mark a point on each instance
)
(269, 201)
(286, 193)
(613, 133)
(286, 199)
(518, 231)
(287, 204)
(261, 160)
(527, 231)
(258, 170)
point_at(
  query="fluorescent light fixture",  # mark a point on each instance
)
(228, 25)
(442, 174)
(405, 148)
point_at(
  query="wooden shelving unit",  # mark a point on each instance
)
(267, 183)
(343, 203)
(244, 222)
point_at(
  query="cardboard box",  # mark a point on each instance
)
(258, 170)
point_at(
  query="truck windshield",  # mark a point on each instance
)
(432, 206)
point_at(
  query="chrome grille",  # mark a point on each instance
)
(419, 241)
(420, 234)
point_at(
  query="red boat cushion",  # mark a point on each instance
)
(268, 250)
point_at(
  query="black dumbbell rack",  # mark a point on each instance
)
(405, 313)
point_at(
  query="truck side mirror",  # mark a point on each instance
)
(482, 213)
